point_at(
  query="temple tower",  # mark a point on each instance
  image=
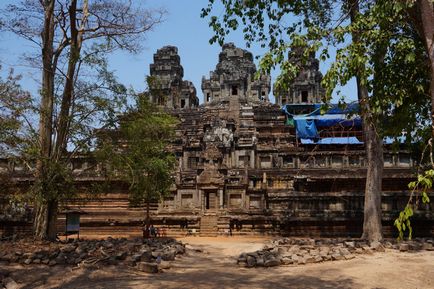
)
(306, 87)
(234, 78)
(166, 85)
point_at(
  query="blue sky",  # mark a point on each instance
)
(183, 28)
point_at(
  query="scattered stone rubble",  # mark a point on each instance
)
(289, 251)
(6, 281)
(151, 255)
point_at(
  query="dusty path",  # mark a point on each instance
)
(216, 268)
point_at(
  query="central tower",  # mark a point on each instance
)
(234, 78)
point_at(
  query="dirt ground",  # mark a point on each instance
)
(216, 267)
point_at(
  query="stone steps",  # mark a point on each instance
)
(208, 226)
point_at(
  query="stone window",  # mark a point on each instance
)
(192, 162)
(304, 96)
(186, 200)
(288, 161)
(169, 202)
(244, 161)
(321, 161)
(255, 202)
(265, 162)
(307, 162)
(404, 160)
(354, 161)
(337, 161)
(207, 97)
(235, 200)
(388, 160)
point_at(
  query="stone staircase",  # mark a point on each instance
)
(208, 226)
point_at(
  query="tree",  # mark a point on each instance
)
(374, 27)
(421, 16)
(137, 153)
(73, 36)
(14, 105)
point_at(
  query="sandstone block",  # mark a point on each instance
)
(147, 267)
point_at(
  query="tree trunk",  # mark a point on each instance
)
(68, 92)
(46, 220)
(372, 227)
(147, 220)
(424, 23)
(41, 220)
(45, 123)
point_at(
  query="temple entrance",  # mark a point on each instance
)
(211, 200)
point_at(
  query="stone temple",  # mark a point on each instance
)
(248, 166)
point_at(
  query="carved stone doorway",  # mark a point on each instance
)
(211, 200)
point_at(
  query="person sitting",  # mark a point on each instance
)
(152, 231)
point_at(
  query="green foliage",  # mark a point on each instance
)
(15, 104)
(57, 184)
(419, 190)
(388, 57)
(138, 154)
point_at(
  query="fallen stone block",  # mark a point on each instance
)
(272, 262)
(337, 257)
(404, 247)
(10, 283)
(250, 261)
(377, 246)
(164, 265)
(147, 267)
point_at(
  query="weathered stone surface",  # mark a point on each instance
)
(287, 261)
(344, 251)
(428, 246)
(403, 247)
(367, 250)
(318, 259)
(147, 267)
(10, 283)
(3, 274)
(164, 265)
(310, 259)
(52, 263)
(250, 261)
(350, 244)
(168, 255)
(272, 262)
(349, 257)
(260, 261)
(337, 257)
(377, 246)
(136, 257)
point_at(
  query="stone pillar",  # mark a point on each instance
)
(252, 159)
(202, 200)
(221, 203)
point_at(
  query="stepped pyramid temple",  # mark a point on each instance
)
(246, 165)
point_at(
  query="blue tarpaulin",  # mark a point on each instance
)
(332, 140)
(306, 128)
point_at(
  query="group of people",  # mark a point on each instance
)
(153, 232)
